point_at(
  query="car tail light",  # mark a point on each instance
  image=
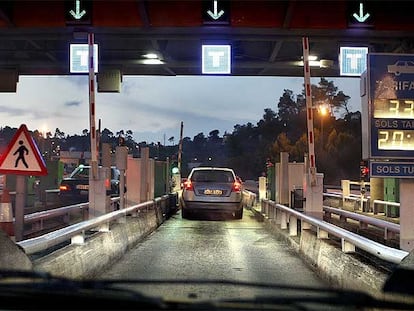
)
(188, 185)
(236, 187)
(64, 188)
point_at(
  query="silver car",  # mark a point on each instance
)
(212, 189)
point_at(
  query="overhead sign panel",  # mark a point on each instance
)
(216, 12)
(352, 60)
(392, 169)
(360, 14)
(22, 156)
(216, 59)
(78, 12)
(79, 58)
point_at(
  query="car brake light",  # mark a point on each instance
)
(64, 188)
(236, 187)
(188, 185)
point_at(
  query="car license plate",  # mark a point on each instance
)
(82, 187)
(213, 192)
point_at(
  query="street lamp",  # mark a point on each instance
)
(323, 111)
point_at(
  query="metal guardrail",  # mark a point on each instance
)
(355, 197)
(390, 229)
(287, 218)
(352, 197)
(76, 232)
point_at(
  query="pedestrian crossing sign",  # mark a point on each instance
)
(22, 156)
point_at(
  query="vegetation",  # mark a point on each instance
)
(249, 147)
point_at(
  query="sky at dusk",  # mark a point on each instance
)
(152, 107)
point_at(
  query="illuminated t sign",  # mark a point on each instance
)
(79, 58)
(353, 60)
(216, 59)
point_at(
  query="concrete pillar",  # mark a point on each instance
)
(376, 191)
(283, 179)
(262, 188)
(346, 189)
(314, 196)
(102, 202)
(106, 155)
(144, 174)
(407, 214)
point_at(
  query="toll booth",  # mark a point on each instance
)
(160, 180)
(391, 194)
(271, 183)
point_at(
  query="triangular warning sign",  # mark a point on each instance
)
(22, 156)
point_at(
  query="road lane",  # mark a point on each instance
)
(240, 250)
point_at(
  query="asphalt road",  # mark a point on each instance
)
(240, 250)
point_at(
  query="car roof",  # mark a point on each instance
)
(210, 168)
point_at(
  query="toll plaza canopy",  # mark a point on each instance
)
(265, 36)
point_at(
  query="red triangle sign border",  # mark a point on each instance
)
(32, 145)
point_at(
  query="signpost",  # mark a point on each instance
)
(21, 158)
(388, 128)
(391, 103)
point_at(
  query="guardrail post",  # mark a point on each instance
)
(78, 239)
(346, 189)
(283, 223)
(322, 234)
(347, 247)
(278, 217)
(293, 226)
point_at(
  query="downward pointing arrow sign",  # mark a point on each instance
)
(215, 15)
(361, 17)
(77, 14)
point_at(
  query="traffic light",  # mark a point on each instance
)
(364, 171)
(174, 168)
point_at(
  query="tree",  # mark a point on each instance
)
(59, 134)
(326, 92)
(288, 107)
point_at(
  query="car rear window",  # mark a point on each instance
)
(80, 172)
(83, 172)
(212, 176)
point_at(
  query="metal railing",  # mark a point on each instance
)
(288, 218)
(38, 219)
(390, 229)
(76, 233)
(357, 198)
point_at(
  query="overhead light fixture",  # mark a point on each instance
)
(150, 56)
(311, 57)
(323, 63)
(152, 62)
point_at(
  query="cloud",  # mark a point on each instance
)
(72, 103)
(12, 111)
